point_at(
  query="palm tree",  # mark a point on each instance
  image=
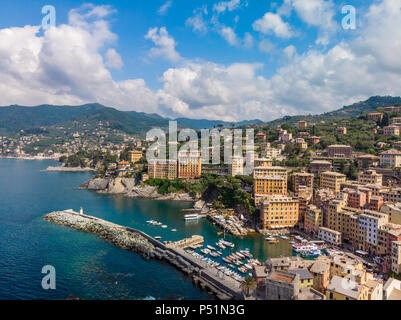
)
(247, 285)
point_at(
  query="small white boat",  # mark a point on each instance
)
(211, 248)
(158, 237)
(192, 217)
(173, 230)
(164, 226)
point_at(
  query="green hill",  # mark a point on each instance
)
(351, 111)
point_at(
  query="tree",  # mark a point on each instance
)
(386, 120)
(247, 285)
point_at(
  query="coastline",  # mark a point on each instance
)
(29, 158)
(67, 169)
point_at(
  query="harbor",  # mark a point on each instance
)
(205, 273)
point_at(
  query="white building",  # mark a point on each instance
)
(237, 166)
(330, 236)
(371, 221)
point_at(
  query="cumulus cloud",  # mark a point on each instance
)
(65, 65)
(113, 59)
(229, 35)
(165, 45)
(273, 23)
(318, 13)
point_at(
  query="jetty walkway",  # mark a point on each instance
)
(203, 275)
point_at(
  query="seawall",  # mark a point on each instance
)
(202, 274)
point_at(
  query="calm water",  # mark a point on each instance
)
(86, 265)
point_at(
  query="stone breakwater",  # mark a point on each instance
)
(119, 236)
(203, 275)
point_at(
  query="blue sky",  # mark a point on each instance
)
(234, 59)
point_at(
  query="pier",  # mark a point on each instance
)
(203, 275)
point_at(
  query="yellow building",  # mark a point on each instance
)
(263, 162)
(313, 219)
(162, 169)
(299, 179)
(278, 211)
(305, 277)
(393, 210)
(332, 180)
(370, 177)
(396, 257)
(268, 181)
(189, 165)
(135, 155)
(346, 289)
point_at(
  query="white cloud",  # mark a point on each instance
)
(113, 59)
(165, 7)
(65, 66)
(318, 13)
(266, 46)
(197, 21)
(223, 6)
(290, 51)
(248, 40)
(165, 45)
(229, 35)
(273, 23)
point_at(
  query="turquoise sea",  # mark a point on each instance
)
(87, 266)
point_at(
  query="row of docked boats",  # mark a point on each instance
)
(225, 270)
(307, 250)
(224, 244)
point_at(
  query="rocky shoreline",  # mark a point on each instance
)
(67, 169)
(130, 188)
(117, 235)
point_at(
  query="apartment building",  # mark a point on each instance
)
(318, 166)
(396, 257)
(162, 169)
(391, 195)
(371, 221)
(375, 116)
(341, 130)
(370, 177)
(189, 165)
(313, 219)
(332, 180)
(269, 180)
(330, 236)
(271, 153)
(392, 130)
(302, 124)
(278, 211)
(236, 168)
(368, 160)
(393, 211)
(263, 162)
(390, 158)
(301, 179)
(339, 151)
(135, 155)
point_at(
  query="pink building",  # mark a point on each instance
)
(356, 198)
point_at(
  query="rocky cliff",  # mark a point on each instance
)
(129, 188)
